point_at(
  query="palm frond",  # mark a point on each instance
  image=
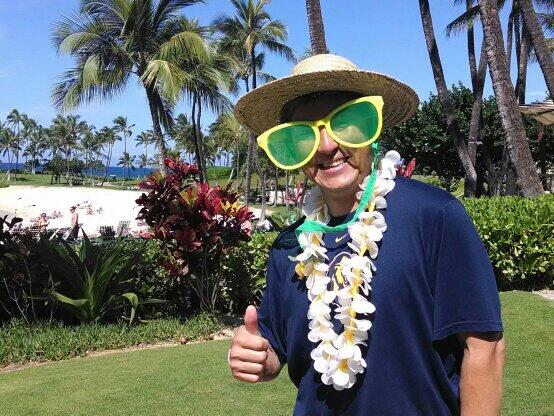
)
(167, 78)
(461, 23)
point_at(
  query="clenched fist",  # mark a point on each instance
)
(251, 358)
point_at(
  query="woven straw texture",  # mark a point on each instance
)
(260, 109)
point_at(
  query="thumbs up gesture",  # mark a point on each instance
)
(251, 358)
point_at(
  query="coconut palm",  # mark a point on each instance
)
(183, 135)
(210, 79)
(228, 131)
(67, 131)
(114, 40)
(253, 29)
(8, 145)
(316, 27)
(538, 41)
(109, 137)
(517, 146)
(36, 144)
(122, 127)
(452, 123)
(143, 163)
(16, 119)
(126, 160)
(144, 139)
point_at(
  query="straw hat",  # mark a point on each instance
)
(260, 108)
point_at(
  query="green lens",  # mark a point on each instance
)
(291, 145)
(356, 123)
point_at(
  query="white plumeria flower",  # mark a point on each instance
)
(322, 333)
(322, 355)
(312, 246)
(344, 315)
(314, 207)
(388, 164)
(361, 305)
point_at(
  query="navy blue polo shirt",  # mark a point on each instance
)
(433, 280)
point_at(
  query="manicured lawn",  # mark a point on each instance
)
(195, 380)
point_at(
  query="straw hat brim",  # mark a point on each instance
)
(260, 109)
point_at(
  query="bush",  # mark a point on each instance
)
(244, 269)
(4, 185)
(517, 233)
(21, 343)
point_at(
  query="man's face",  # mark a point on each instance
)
(334, 167)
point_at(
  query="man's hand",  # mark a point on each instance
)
(251, 358)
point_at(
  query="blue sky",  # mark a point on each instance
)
(384, 36)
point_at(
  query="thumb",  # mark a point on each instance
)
(251, 320)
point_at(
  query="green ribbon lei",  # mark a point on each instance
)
(316, 226)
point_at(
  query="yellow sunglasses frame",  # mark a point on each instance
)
(376, 100)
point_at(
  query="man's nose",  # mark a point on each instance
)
(326, 142)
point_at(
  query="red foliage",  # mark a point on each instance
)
(195, 222)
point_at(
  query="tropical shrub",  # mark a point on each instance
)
(244, 269)
(92, 282)
(195, 224)
(518, 234)
(4, 185)
(21, 275)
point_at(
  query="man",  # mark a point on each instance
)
(380, 301)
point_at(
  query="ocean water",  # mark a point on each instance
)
(116, 171)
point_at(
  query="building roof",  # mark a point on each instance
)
(543, 111)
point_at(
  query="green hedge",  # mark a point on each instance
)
(518, 234)
(20, 343)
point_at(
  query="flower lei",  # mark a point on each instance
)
(338, 357)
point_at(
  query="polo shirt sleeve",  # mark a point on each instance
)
(271, 318)
(465, 293)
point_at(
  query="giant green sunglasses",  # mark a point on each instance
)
(356, 123)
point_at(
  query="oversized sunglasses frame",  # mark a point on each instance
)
(375, 100)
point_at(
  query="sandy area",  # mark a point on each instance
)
(108, 206)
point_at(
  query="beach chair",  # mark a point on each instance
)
(106, 232)
(59, 233)
(123, 228)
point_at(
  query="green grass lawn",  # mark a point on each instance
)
(195, 380)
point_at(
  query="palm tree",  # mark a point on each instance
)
(67, 131)
(15, 118)
(36, 143)
(121, 126)
(517, 146)
(109, 137)
(183, 135)
(113, 40)
(443, 94)
(144, 139)
(126, 160)
(536, 35)
(143, 163)
(252, 27)
(210, 79)
(316, 27)
(227, 131)
(8, 144)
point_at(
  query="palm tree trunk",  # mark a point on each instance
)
(451, 120)
(251, 137)
(510, 36)
(316, 27)
(534, 30)
(202, 154)
(108, 160)
(287, 178)
(275, 197)
(523, 61)
(153, 97)
(527, 178)
(196, 140)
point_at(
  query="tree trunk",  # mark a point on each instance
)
(527, 178)
(251, 137)
(475, 121)
(151, 95)
(287, 178)
(316, 27)
(201, 155)
(523, 61)
(536, 35)
(451, 120)
(276, 186)
(509, 37)
(108, 160)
